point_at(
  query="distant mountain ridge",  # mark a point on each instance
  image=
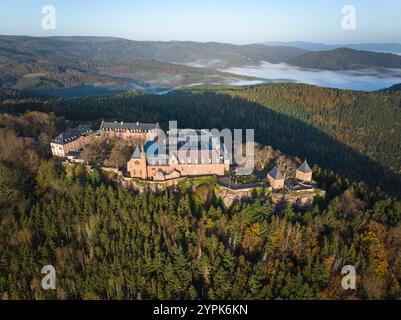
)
(313, 46)
(211, 54)
(396, 87)
(218, 55)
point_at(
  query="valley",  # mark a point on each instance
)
(57, 63)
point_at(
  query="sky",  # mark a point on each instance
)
(231, 21)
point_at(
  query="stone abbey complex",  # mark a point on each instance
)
(167, 157)
(170, 159)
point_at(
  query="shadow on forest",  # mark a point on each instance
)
(210, 110)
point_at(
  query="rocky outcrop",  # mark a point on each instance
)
(302, 199)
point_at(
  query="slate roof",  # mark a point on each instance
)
(149, 144)
(276, 174)
(71, 135)
(305, 168)
(205, 145)
(123, 126)
(201, 139)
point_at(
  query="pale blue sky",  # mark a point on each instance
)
(235, 21)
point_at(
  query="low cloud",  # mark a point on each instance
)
(365, 79)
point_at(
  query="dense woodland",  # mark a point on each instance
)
(39, 73)
(109, 243)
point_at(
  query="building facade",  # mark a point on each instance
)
(69, 141)
(73, 140)
(153, 162)
(127, 131)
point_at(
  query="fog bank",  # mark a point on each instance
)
(366, 79)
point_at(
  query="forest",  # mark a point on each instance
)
(109, 243)
(356, 134)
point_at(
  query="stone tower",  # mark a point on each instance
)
(137, 165)
(304, 173)
(276, 179)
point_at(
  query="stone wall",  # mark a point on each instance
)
(307, 177)
(280, 199)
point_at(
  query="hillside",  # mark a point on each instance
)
(43, 73)
(311, 46)
(346, 59)
(216, 55)
(163, 74)
(211, 54)
(396, 87)
(38, 74)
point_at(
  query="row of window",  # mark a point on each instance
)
(124, 130)
(188, 161)
(134, 172)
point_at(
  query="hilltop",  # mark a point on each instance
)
(346, 59)
(357, 134)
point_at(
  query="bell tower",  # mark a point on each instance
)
(137, 166)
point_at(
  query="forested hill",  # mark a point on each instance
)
(218, 55)
(38, 74)
(45, 65)
(210, 54)
(346, 59)
(369, 123)
(355, 133)
(110, 243)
